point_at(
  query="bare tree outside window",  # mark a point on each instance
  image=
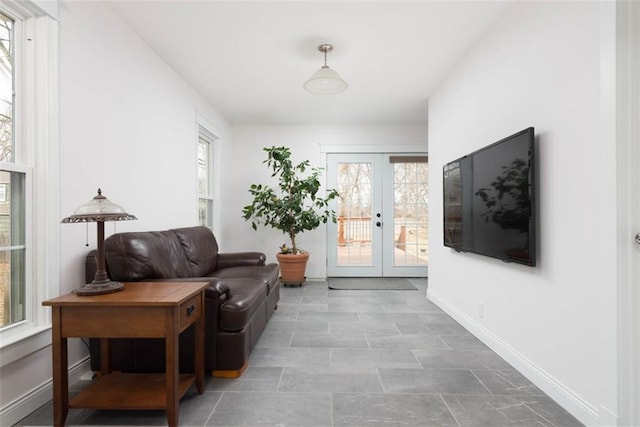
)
(6, 88)
(205, 177)
(410, 211)
(12, 182)
(354, 203)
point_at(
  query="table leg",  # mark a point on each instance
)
(60, 375)
(105, 356)
(172, 374)
(199, 348)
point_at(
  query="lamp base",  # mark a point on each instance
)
(99, 288)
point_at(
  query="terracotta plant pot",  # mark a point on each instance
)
(292, 267)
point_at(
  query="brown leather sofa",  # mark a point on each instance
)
(242, 295)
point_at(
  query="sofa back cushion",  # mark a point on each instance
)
(200, 249)
(146, 255)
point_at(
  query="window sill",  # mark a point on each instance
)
(23, 343)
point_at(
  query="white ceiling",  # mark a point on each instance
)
(250, 59)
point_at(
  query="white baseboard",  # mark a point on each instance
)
(578, 407)
(608, 418)
(29, 402)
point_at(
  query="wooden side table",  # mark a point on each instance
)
(141, 310)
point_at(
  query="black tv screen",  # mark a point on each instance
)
(489, 200)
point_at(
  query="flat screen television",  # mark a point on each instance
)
(489, 200)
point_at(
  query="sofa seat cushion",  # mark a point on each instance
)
(244, 298)
(267, 274)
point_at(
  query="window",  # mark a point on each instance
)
(12, 180)
(29, 158)
(7, 47)
(12, 249)
(206, 143)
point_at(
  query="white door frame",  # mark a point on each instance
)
(389, 267)
(382, 248)
(325, 150)
(628, 208)
(374, 268)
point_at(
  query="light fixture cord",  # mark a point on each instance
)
(86, 237)
(325, 59)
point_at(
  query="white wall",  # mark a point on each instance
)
(244, 167)
(538, 66)
(127, 125)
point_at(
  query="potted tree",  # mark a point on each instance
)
(293, 207)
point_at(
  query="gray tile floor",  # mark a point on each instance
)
(356, 358)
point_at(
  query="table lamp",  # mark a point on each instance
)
(99, 209)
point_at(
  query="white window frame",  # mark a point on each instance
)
(37, 156)
(206, 131)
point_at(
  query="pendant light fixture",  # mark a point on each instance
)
(325, 81)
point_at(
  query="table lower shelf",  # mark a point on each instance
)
(129, 391)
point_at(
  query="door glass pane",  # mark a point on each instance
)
(354, 183)
(12, 248)
(410, 207)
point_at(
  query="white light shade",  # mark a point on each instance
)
(325, 81)
(99, 209)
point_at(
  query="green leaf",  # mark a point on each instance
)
(297, 207)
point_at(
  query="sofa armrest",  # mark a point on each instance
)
(240, 259)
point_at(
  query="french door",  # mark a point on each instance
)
(382, 210)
